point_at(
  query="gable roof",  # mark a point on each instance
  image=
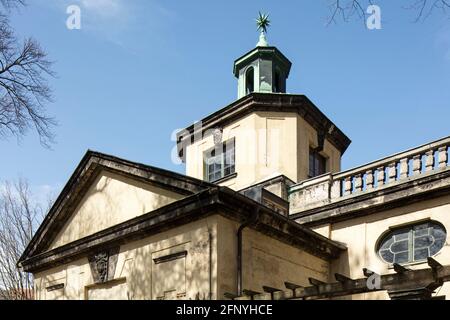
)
(87, 170)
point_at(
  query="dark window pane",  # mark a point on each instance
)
(400, 246)
(321, 164)
(436, 246)
(403, 235)
(423, 226)
(387, 243)
(421, 232)
(277, 85)
(229, 161)
(421, 254)
(402, 257)
(423, 242)
(250, 81)
(387, 255)
(311, 164)
(438, 233)
(317, 164)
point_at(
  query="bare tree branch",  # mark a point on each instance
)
(345, 9)
(19, 218)
(12, 4)
(425, 8)
(23, 87)
(24, 90)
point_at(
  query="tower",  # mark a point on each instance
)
(266, 133)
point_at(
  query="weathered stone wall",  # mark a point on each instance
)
(268, 144)
(208, 266)
(139, 276)
(361, 235)
(110, 200)
(266, 261)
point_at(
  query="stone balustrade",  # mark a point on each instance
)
(401, 167)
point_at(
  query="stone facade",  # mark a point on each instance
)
(125, 230)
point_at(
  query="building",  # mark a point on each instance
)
(264, 211)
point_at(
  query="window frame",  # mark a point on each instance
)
(250, 80)
(411, 229)
(223, 163)
(315, 154)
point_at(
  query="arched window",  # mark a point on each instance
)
(277, 82)
(413, 243)
(250, 80)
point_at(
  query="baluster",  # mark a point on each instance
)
(392, 172)
(404, 168)
(369, 179)
(336, 189)
(358, 182)
(417, 164)
(429, 164)
(381, 176)
(348, 186)
(443, 157)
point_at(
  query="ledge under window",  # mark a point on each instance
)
(226, 178)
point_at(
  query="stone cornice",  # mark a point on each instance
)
(270, 102)
(217, 200)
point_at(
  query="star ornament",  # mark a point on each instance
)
(263, 22)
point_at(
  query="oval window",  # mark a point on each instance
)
(413, 243)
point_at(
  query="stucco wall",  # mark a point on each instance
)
(138, 276)
(361, 236)
(308, 138)
(209, 266)
(266, 261)
(110, 200)
(267, 144)
(245, 152)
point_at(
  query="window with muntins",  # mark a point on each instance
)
(317, 164)
(413, 243)
(219, 161)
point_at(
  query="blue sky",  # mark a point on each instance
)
(139, 69)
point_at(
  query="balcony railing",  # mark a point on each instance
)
(407, 165)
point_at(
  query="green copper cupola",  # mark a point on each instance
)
(264, 69)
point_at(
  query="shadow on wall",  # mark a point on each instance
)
(112, 199)
(361, 235)
(156, 274)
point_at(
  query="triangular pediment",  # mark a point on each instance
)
(105, 191)
(110, 200)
